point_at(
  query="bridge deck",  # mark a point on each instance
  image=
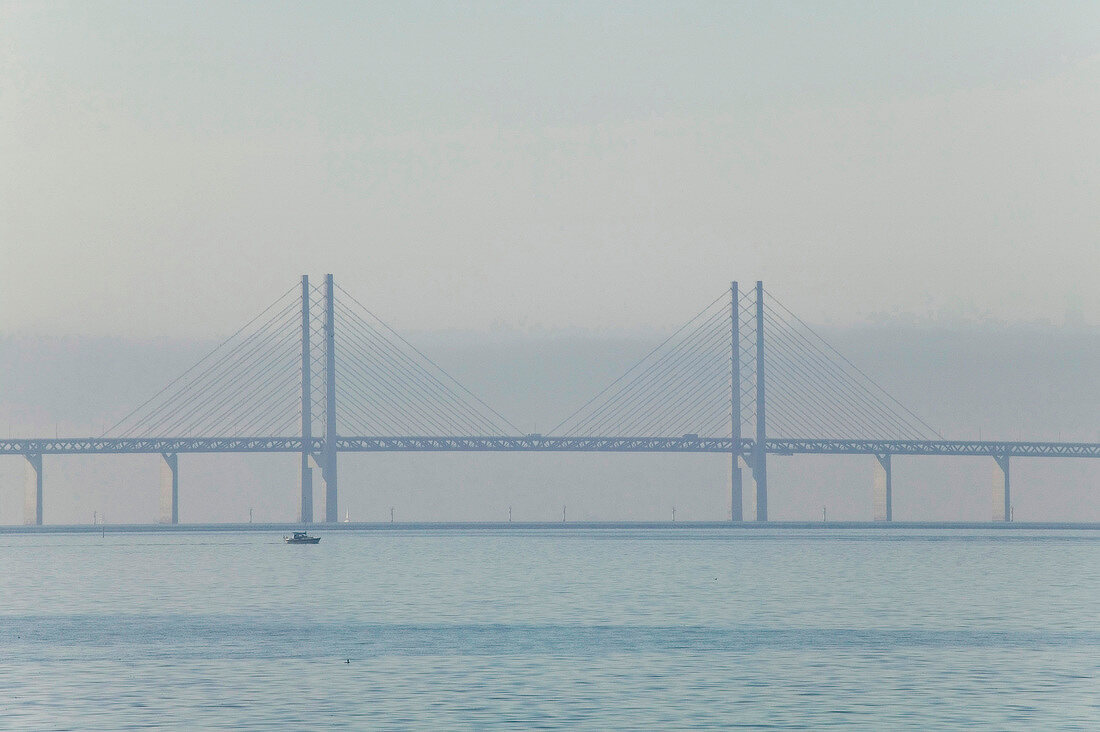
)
(541, 443)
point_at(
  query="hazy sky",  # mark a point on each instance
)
(170, 168)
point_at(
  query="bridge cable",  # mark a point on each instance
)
(430, 361)
(636, 365)
(371, 341)
(199, 362)
(853, 366)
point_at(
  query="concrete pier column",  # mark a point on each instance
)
(328, 475)
(305, 513)
(1002, 495)
(736, 491)
(883, 497)
(744, 489)
(32, 491)
(169, 488)
(749, 488)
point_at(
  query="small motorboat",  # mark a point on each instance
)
(301, 537)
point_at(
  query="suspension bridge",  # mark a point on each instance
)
(317, 373)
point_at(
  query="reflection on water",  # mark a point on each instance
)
(554, 629)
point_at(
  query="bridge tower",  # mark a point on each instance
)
(305, 512)
(328, 455)
(736, 485)
(760, 452)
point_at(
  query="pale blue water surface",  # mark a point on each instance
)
(552, 629)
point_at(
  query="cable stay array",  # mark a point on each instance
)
(684, 385)
(388, 387)
(249, 385)
(815, 391)
(746, 355)
(680, 387)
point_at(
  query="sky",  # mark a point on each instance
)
(554, 186)
(168, 169)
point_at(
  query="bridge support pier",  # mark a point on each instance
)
(328, 475)
(736, 491)
(169, 488)
(748, 493)
(305, 513)
(1002, 495)
(32, 491)
(760, 479)
(883, 496)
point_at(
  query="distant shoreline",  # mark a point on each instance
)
(550, 525)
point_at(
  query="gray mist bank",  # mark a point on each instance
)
(988, 382)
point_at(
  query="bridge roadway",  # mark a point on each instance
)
(542, 443)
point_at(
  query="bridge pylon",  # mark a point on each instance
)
(760, 454)
(305, 512)
(736, 483)
(750, 408)
(328, 454)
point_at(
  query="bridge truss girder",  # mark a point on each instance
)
(539, 443)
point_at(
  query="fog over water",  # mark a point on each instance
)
(990, 382)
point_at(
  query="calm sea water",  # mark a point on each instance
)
(552, 629)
